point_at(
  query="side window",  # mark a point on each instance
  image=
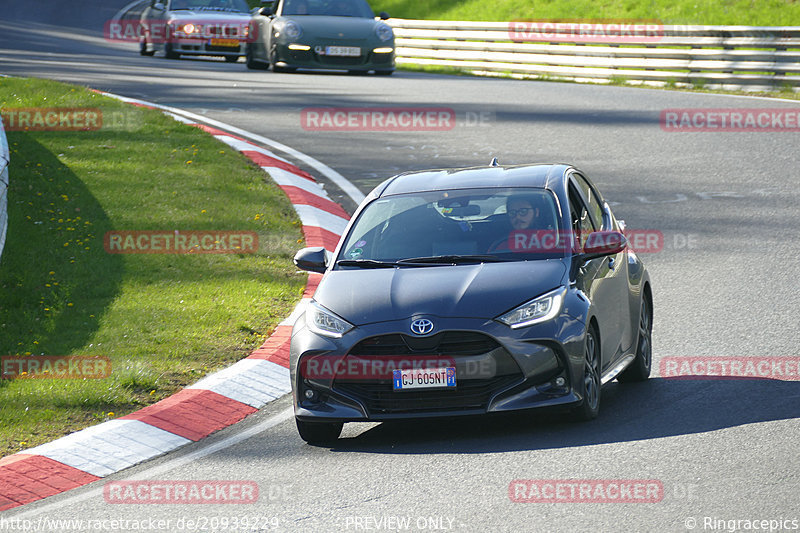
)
(595, 205)
(582, 224)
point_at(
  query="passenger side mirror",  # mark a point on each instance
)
(383, 15)
(313, 259)
(602, 243)
(159, 6)
(265, 11)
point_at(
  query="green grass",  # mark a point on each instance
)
(718, 12)
(163, 320)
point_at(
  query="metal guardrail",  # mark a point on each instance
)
(712, 56)
(5, 159)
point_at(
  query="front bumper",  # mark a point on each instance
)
(497, 370)
(205, 47)
(316, 58)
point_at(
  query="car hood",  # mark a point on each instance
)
(328, 27)
(209, 16)
(466, 291)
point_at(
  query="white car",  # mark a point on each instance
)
(195, 27)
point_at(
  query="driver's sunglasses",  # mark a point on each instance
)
(522, 211)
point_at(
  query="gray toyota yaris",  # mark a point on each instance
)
(467, 291)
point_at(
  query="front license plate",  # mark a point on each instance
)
(424, 378)
(347, 51)
(224, 42)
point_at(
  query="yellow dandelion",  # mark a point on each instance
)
(111, 413)
(69, 304)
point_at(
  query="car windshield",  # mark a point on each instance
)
(233, 6)
(456, 227)
(335, 8)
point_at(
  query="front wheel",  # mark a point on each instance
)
(169, 53)
(143, 49)
(252, 62)
(639, 370)
(590, 407)
(273, 56)
(319, 433)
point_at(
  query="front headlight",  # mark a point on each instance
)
(545, 307)
(292, 30)
(324, 322)
(384, 32)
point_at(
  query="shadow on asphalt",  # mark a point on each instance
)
(650, 410)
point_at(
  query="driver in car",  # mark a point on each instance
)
(524, 213)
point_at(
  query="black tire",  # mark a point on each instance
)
(319, 432)
(252, 62)
(384, 72)
(639, 370)
(231, 59)
(273, 57)
(169, 53)
(591, 387)
(143, 49)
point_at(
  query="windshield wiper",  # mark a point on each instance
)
(453, 259)
(366, 263)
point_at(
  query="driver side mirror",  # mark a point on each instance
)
(313, 259)
(265, 11)
(159, 6)
(602, 243)
(383, 15)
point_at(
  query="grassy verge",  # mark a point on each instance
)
(163, 320)
(717, 12)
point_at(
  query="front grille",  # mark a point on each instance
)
(449, 343)
(379, 397)
(341, 60)
(211, 48)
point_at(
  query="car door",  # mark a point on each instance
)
(154, 21)
(263, 32)
(604, 279)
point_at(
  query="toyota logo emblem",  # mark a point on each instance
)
(421, 326)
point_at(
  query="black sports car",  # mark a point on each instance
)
(321, 34)
(470, 291)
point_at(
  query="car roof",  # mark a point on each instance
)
(537, 176)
